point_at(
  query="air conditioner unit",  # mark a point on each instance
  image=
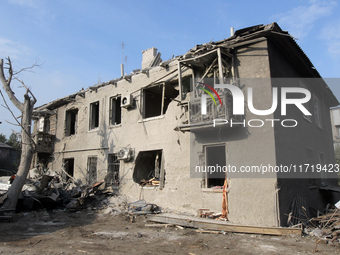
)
(127, 101)
(125, 154)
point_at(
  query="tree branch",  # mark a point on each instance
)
(12, 123)
(2, 95)
(28, 68)
(28, 90)
(6, 84)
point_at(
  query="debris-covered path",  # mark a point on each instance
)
(93, 231)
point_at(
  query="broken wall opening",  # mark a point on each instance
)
(215, 156)
(149, 168)
(40, 162)
(46, 125)
(156, 99)
(71, 122)
(68, 167)
(217, 64)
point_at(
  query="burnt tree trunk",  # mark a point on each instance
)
(27, 144)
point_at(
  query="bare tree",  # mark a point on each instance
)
(27, 144)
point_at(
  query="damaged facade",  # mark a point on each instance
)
(135, 131)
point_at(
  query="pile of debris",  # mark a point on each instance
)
(206, 213)
(149, 183)
(325, 227)
(116, 205)
(53, 190)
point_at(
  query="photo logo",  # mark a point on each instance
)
(238, 99)
(296, 96)
(204, 96)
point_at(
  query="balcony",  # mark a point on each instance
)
(199, 122)
(44, 142)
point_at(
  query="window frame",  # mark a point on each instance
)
(166, 96)
(93, 122)
(113, 169)
(68, 121)
(206, 179)
(92, 179)
(113, 112)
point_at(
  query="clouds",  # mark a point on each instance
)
(300, 20)
(36, 10)
(13, 49)
(331, 34)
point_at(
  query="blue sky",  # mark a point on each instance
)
(80, 42)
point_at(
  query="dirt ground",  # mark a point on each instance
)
(91, 231)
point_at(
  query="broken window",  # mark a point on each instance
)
(71, 122)
(149, 169)
(115, 111)
(156, 99)
(68, 167)
(112, 177)
(187, 86)
(94, 115)
(44, 124)
(215, 156)
(91, 169)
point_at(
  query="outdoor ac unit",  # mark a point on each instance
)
(127, 101)
(125, 154)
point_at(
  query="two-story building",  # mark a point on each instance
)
(145, 133)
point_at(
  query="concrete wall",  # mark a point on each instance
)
(292, 143)
(249, 199)
(180, 192)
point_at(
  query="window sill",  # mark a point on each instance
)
(69, 136)
(151, 118)
(94, 130)
(150, 187)
(211, 190)
(115, 126)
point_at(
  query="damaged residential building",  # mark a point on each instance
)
(144, 132)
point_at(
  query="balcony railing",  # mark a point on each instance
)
(224, 111)
(44, 142)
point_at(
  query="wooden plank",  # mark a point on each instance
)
(220, 71)
(208, 231)
(158, 225)
(180, 80)
(162, 173)
(222, 226)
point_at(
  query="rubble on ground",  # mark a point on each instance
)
(53, 190)
(325, 227)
